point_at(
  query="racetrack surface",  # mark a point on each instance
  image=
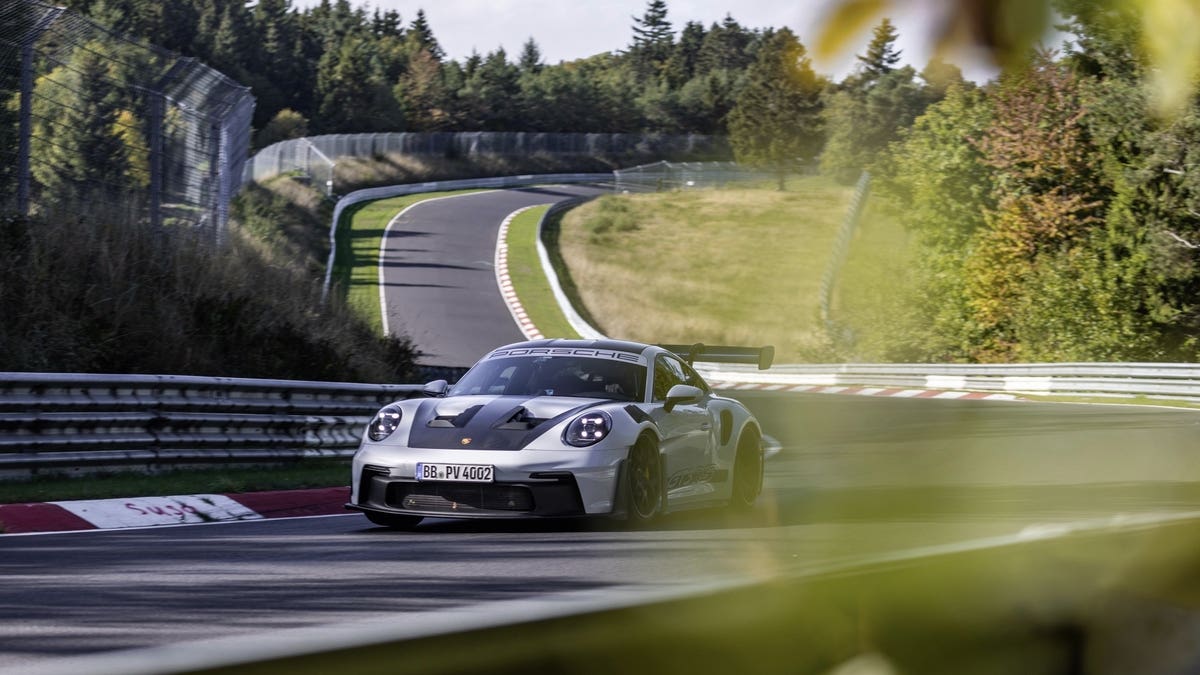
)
(438, 273)
(856, 478)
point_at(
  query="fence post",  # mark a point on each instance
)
(25, 121)
(25, 131)
(158, 112)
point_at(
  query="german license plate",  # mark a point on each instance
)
(459, 473)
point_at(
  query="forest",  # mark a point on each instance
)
(1053, 213)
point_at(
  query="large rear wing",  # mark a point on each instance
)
(763, 357)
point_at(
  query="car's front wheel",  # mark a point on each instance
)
(644, 474)
(393, 520)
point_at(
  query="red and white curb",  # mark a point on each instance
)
(504, 279)
(104, 514)
(866, 391)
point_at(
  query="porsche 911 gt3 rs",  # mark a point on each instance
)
(564, 428)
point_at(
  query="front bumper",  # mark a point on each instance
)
(528, 483)
(553, 494)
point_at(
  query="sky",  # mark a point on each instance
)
(570, 29)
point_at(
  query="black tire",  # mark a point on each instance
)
(643, 473)
(393, 520)
(747, 473)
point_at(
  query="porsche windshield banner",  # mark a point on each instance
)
(587, 353)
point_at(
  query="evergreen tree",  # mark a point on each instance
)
(870, 108)
(776, 122)
(861, 123)
(726, 46)
(652, 39)
(420, 36)
(354, 98)
(531, 57)
(882, 56)
(232, 48)
(491, 97)
(681, 66)
(387, 24)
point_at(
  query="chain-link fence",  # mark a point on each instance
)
(316, 156)
(661, 176)
(93, 121)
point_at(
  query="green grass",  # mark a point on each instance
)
(529, 281)
(306, 474)
(356, 262)
(737, 266)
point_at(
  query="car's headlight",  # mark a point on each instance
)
(385, 422)
(588, 429)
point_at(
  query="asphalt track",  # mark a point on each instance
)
(439, 278)
(857, 477)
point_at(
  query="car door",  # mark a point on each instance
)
(686, 432)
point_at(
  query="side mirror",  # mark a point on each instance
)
(436, 389)
(682, 394)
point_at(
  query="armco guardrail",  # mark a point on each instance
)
(389, 191)
(1165, 380)
(60, 421)
(57, 421)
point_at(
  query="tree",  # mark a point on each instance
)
(1048, 196)
(681, 66)
(726, 46)
(488, 99)
(861, 123)
(939, 188)
(882, 56)
(531, 57)
(870, 108)
(80, 138)
(652, 40)
(354, 97)
(423, 92)
(420, 36)
(776, 122)
(286, 125)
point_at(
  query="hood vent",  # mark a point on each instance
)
(455, 421)
(518, 419)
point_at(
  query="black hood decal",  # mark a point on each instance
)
(491, 426)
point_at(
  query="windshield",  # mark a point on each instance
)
(581, 377)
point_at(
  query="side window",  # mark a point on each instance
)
(667, 373)
(693, 378)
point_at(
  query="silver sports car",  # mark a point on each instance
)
(555, 428)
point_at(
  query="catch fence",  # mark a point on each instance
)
(663, 176)
(316, 156)
(94, 121)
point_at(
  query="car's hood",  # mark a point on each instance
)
(491, 422)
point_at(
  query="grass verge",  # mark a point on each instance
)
(528, 278)
(739, 266)
(308, 474)
(356, 262)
